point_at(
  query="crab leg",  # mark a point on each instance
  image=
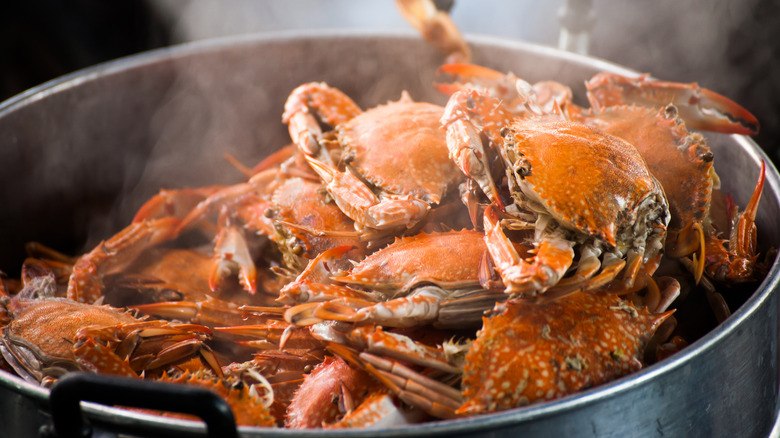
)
(378, 410)
(743, 234)
(687, 241)
(145, 345)
(659, 295)
(274, 335)
(414, 388)
(473, 76)
(579, 284)
(176, 203)
(552, 259)
(436, 27)
(231, 255)
(738, 262)
(228, 196)
(210, 312)
(308, 293)
(341, 308)
(699, 107)
(517, 95)
(587, 266)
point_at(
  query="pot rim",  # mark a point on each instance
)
(573, 401)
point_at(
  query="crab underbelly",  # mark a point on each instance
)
(631, 227)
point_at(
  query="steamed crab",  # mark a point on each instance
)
(654, 116)
(428, 278)
(385, 167)
(569, 185)
(526, 352)
(47, 337)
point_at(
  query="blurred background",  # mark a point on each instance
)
(730, 46)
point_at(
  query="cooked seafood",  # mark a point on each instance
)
(346, 283)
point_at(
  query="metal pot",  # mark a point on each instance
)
(79, 154)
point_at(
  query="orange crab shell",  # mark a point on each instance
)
(587, 187)
(401, 148)
(418, 259)
(670, 151)
(52, 324)
(531, 351)
(305, 203)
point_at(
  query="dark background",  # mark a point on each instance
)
(729, 46)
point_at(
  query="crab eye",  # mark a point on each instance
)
(523, 170)
(670, 112)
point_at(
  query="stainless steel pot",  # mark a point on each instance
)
(79, 154)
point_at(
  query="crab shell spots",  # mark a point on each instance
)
(679, 159)
(448, 259)
(529, 351)
(305, 203)
(401, 148)
(587, 179)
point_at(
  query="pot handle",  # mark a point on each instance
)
(71, 389)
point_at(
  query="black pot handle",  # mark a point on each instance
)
(72, 388)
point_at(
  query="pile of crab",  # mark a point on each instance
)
(412, 262)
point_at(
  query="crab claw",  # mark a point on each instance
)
(232, 256)
(699, 107)
(358, 202)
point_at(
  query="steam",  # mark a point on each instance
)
(694, 41)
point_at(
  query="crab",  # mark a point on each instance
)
(576, 343)
(570, 185)
(428, 278)
(385, 167)
(52, 336)
(526, 352)
(285, 203)
(655, 117)
(307, 223)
